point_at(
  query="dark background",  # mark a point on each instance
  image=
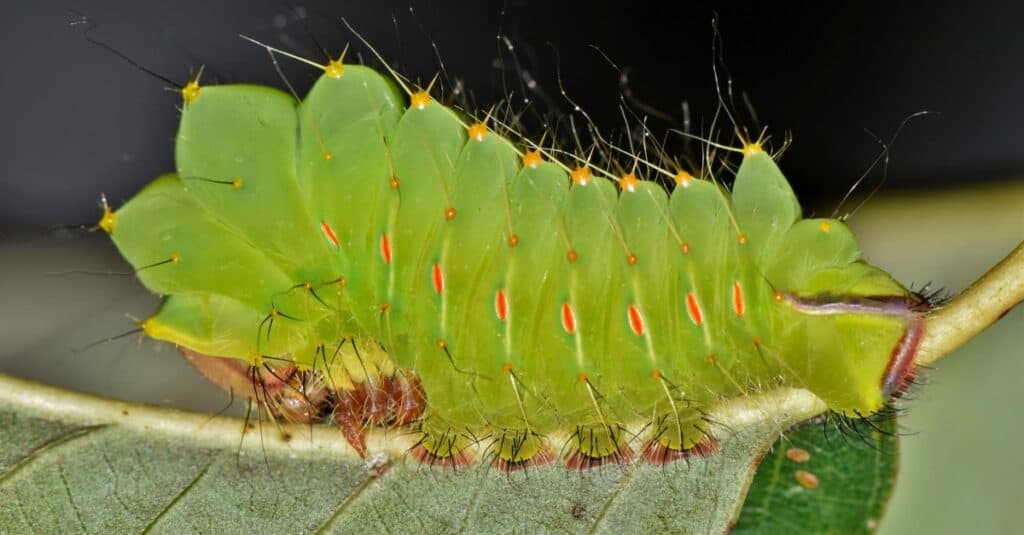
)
(77, 120)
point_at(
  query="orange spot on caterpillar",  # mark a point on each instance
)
(583, 377)
(329, 233)
(778, 297)
(438, 278)
(477, 131)
(737, 298)
(752, 148)
(327, 155)
(636, 321)
(506, 368)
(806, 479)
(683, 179)
(174, 258)
(798, 455)
(501, 305)
(419, 100)
(826, 226)
(385, 248)
(684, 247)
(335, 68)
(236, 182)
(628, 182)
(742, 238)
(568, 318)
(532, 159)
(694, 309)
(572, 255)
(657, 375)
(713, 358)
(631, 259)
(449, 213)
(580, 175)
(513, 240)
(441, 344)
(394, 182)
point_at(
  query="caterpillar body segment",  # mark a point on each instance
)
(415, 267)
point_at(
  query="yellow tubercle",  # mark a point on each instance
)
(148, 327)
(478, 131)
(191, 91)
(752, 148)
(419, 100)
(335, 68)
(109, 220)
(826, 226)
(684, 179)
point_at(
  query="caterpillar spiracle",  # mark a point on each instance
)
(372, 256)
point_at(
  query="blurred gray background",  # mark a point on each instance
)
(79, 121)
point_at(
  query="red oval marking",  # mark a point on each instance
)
(568, 318)
(636, 321)
(438, 278)
(329, 233)
(694, 309)
(737, 298)
(385, 248)
(501, 305)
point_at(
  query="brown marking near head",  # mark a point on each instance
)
(375, 404)
(348, 415)
(409, 399)
(900, 371)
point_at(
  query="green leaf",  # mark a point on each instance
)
(72, 462)
(817, 481)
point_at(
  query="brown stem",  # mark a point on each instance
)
(980, 305)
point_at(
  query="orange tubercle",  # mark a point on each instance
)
(628, 182)
(419, 100)
(683, 179)
(477, 131)
(532, 159)
(580, 175)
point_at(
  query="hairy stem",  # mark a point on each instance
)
(980, 305)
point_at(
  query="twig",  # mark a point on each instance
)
(974, 310)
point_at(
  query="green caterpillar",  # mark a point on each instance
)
(383, 263)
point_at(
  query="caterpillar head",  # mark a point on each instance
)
(848, 330)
